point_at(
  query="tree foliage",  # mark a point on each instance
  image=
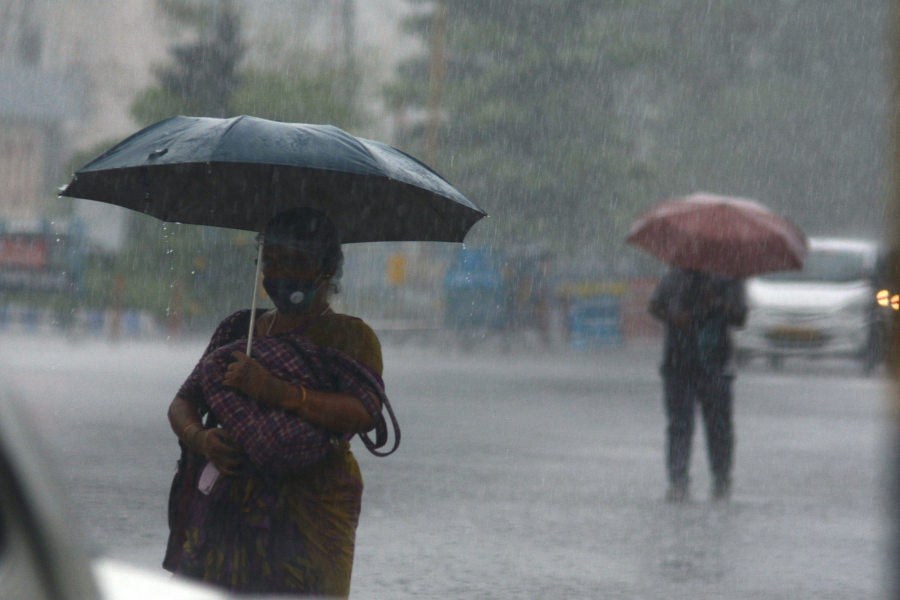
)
(530, 126)
(780, 101)
(565, 118)
(210, 271)
(203, 75)
(208, 76)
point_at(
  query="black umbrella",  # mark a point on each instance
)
(240, 172)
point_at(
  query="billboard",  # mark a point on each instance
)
(27, 252)
(36, 262)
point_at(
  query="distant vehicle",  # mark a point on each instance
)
(41, 554)
(473, 287)
(887, 277)
(489, 292)
(828, 309)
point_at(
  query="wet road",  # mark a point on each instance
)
(526, 476)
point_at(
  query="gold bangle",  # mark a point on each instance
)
(302, 400)
(185, 430)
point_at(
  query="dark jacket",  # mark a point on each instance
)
(698, 309)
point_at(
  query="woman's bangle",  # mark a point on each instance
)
(184, 431)
(303, 399)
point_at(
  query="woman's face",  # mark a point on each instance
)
(281, 262)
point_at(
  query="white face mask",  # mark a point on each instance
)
(292, 296)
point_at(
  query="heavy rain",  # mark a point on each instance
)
(636, 334)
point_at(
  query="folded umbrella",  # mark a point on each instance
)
(727, 236)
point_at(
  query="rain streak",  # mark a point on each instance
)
(448, 299)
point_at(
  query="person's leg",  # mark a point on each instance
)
(716, 401)
(679, 402)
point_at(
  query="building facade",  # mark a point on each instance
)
(70, 72)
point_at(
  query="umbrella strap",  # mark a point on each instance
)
(373, 446)
(255, 295)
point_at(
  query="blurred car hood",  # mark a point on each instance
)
(119, 581)
(797, 294)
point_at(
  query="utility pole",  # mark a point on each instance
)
(348, 30)
(342, 46)
(348, 62)
(436, 81)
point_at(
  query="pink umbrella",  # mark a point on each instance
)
(727, 236)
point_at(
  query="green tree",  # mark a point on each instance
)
(785, 102)
(203, 75)
(530, 127)
(311, 96)
(567, 118)
(212, 269)
(208, 77)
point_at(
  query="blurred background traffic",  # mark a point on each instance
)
(788, 107)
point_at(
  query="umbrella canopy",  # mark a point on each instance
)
(240, 172)
(727, 236)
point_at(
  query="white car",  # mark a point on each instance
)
(42, 555)
(825, 310)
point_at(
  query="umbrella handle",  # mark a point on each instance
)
(255, 294)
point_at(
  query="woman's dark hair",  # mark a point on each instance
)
(310, 231)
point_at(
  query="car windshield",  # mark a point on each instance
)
(827, 266)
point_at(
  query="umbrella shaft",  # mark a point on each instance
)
(255, 294)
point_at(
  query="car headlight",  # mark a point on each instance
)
(887, 299)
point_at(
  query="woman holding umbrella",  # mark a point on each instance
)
(267, 495)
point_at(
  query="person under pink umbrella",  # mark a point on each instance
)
(711, 243)
(699, 308)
